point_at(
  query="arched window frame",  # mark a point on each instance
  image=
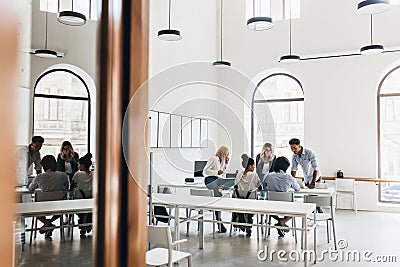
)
(49, 96)
(379, 96)
(253, 101)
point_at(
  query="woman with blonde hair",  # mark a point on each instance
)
(265, 161)
(67, 161)
(213, 173)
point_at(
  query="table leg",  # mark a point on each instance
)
(201, 230)
(22, 222)
(315, 236)
(177, 225)
(305, 240)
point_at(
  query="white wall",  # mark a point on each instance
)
(182, 79)
(340, 94)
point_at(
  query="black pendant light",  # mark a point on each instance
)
(71, 17)
(45, 53)
(221, 63)
(169, 34)
(290, 58)
(373, 6)
(371, 48)
(260, 23)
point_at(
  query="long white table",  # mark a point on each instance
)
(46, 208)
(58, 207)
(294, 209)
(302, 192)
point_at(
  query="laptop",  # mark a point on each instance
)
(198, 167)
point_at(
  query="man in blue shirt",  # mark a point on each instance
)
(307, 161)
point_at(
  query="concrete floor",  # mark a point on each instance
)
(376, 232)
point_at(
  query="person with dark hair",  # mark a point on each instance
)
(280, 181)
(67, 160)
(27, 155)
(83, 180)
(49, 181)
(249, 181)
(265, 161)
(308, 162)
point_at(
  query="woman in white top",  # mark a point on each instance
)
(248, 181)
(213, 171)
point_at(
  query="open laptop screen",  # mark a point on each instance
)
(198, 168)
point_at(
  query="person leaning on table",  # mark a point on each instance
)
(280, 181)
(49, 181)
(213, 171)
(308, 162)
(26, 155)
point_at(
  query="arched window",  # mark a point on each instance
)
(389, 136)
(278, 113)
(61, 111)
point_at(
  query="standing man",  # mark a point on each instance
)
(308, 162)
(34, 154)
(26, 155)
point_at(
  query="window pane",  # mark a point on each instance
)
(176, 131)
(391, 84)
(164, 130)
(390, 137)
(81, 6)
(278, 122)
(279, 10)
(186, 132)
(278, 127)
(57, 127)
(279, 87)
(61, 83)
(153, 128)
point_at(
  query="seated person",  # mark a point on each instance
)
(83, 180)
(280, 181)
(248, 181)
(213, 171)
(49, 181)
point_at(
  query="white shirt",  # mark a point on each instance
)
(248, 182)
(68, 168)
(212, 167)
(83, 180)
(265, 168)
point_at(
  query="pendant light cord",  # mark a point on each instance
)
(254, 8)
(90, 8)
(169, 14)
(371, 29)
(290, 27)
(47, 12)
(221, 27)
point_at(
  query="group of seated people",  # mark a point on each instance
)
(267, 173)
(67, 173)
